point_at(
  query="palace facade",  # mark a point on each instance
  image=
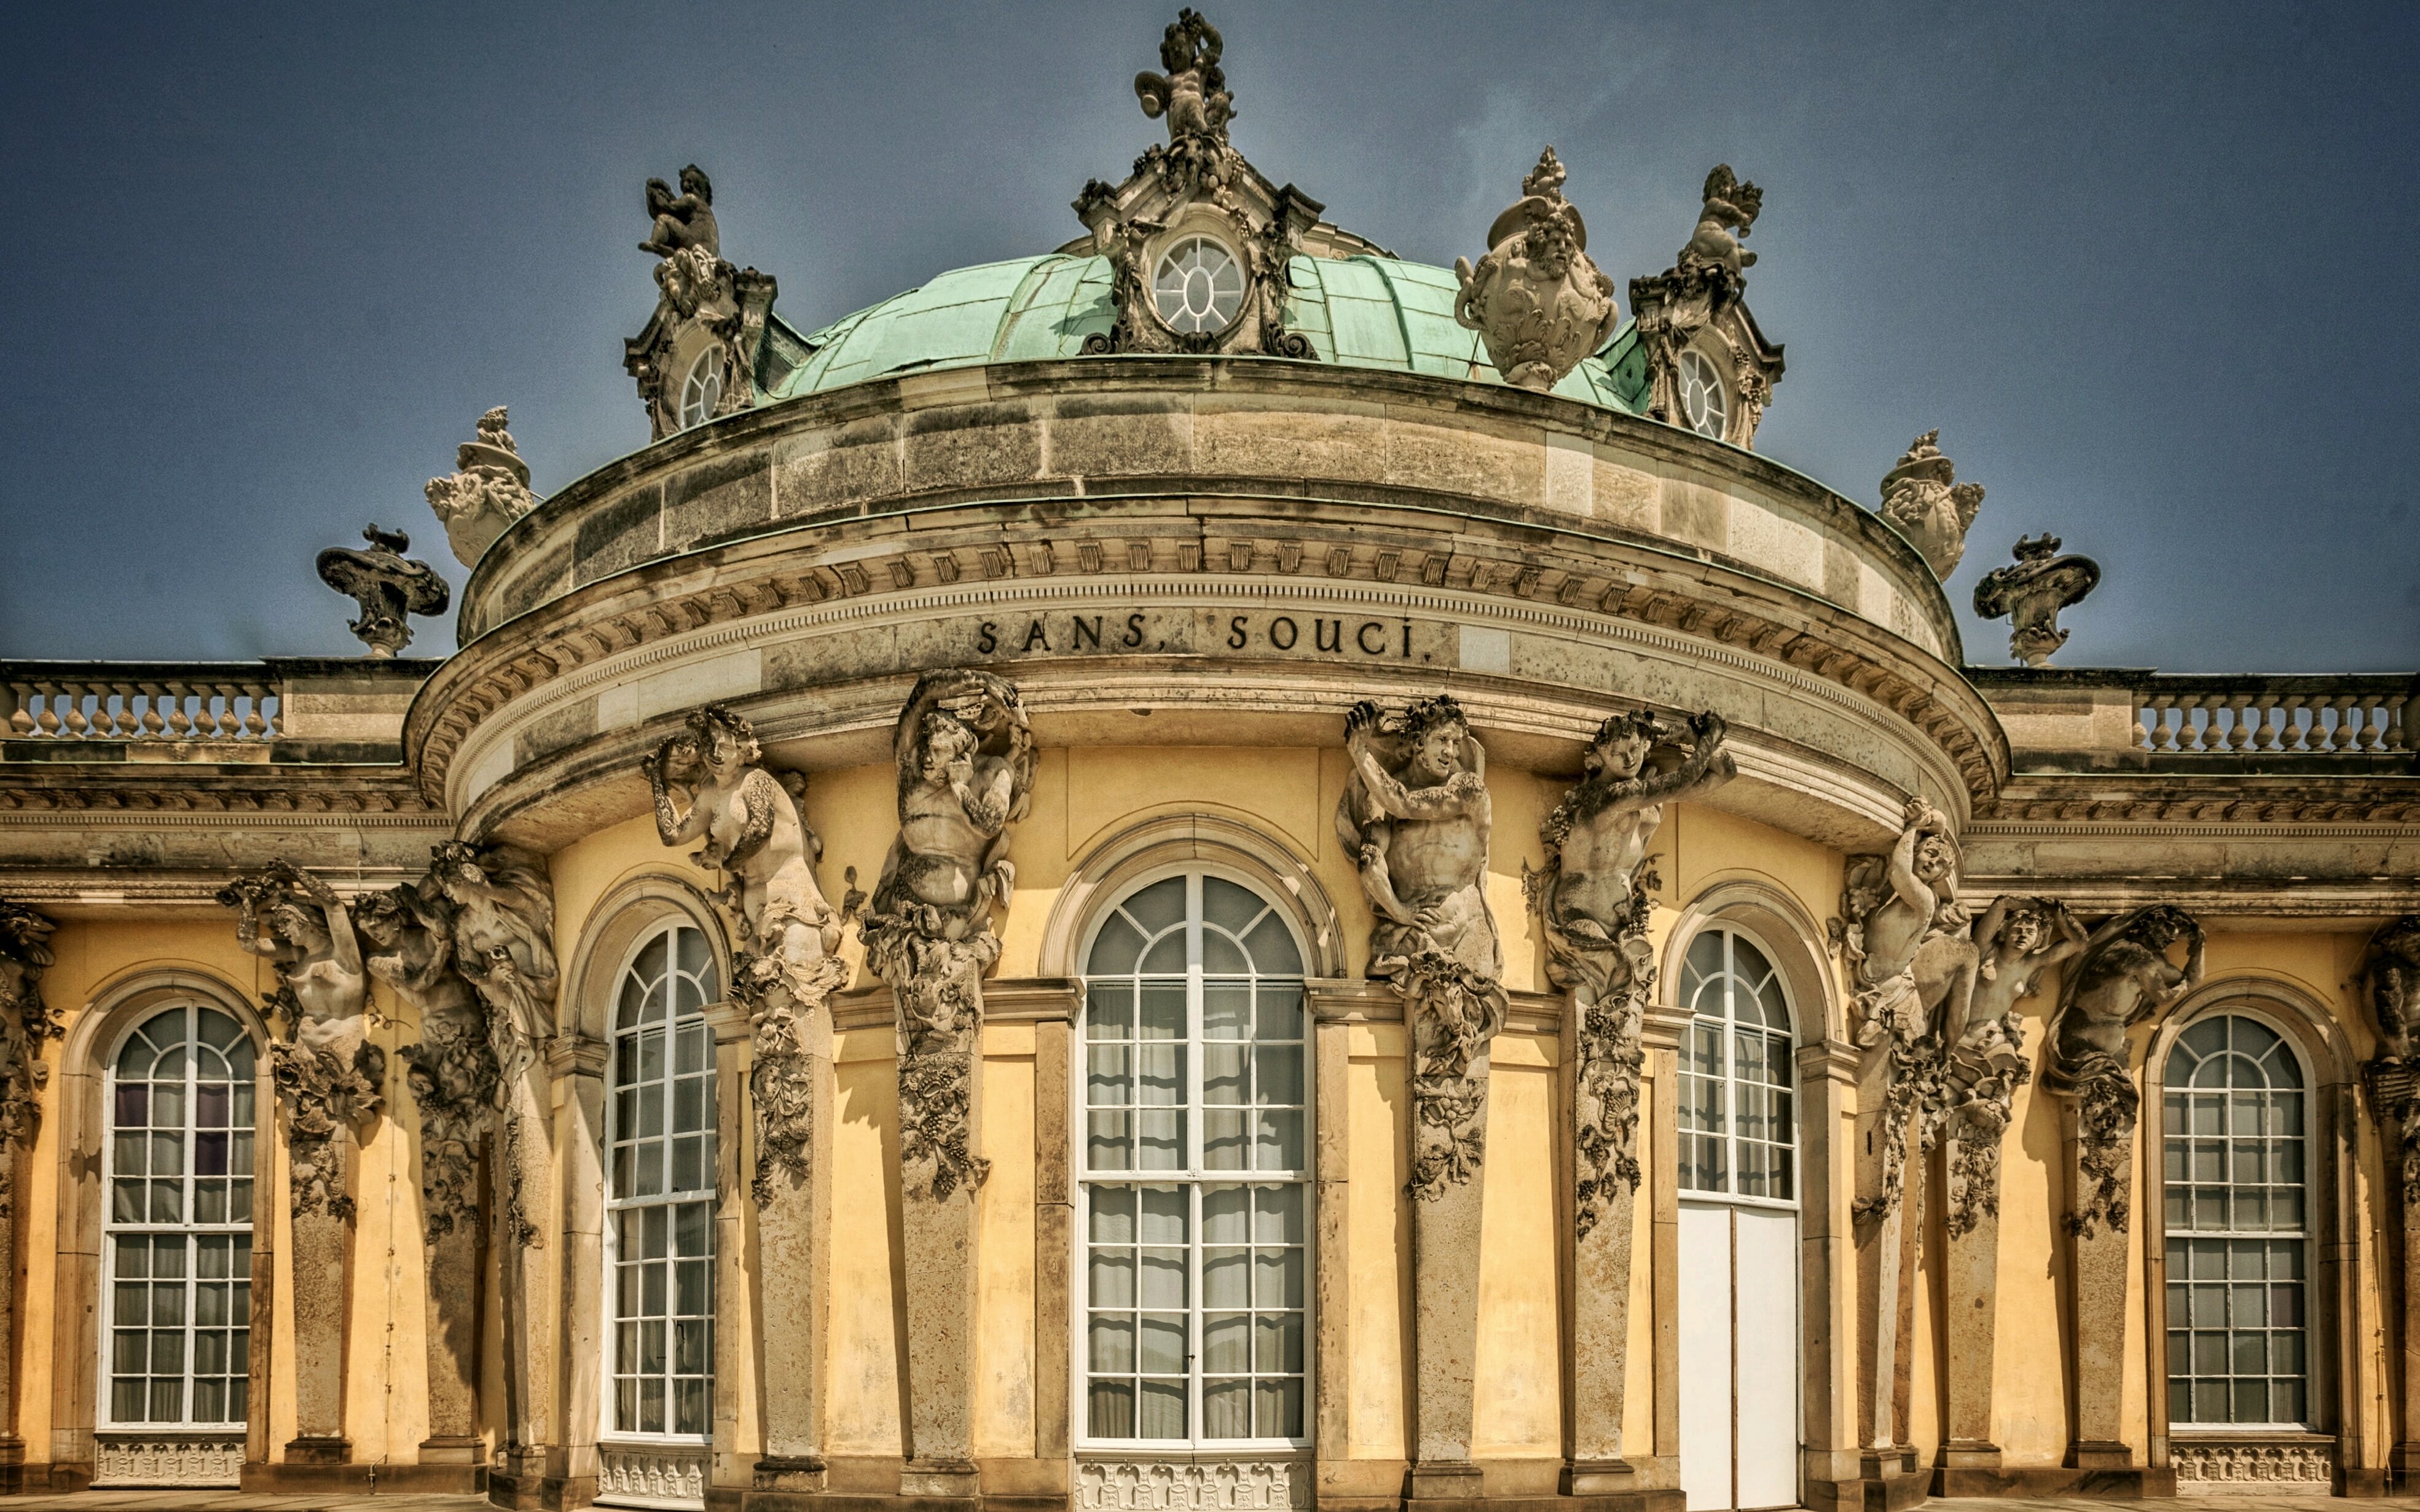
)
(1209, 870)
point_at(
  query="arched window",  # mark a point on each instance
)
(1196, 1170)
(660, 1192)
(2238, 1223)
(1738, 1133)
(176, 1310)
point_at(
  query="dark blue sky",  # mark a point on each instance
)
(2151, 269)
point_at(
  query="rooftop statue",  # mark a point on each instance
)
(685, 220)
(2032, 592)
(1416, 815)
(490, 489)
(1539, 305)
(1922, 498)
(386, 585)
(1192, 93)
(1709, 369)
(1730, 204)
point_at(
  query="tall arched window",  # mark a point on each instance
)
(1196, 1170)
(2238, 1223)
(660, 1192)
(176, 1310)
(1738, 1134)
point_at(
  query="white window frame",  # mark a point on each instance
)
(704, 378)
(1193, 1178)
(1721, 401)
(2306, 1236)
(1186, 237)
(610, 1245)
(1730, 1079)
(105, 1418)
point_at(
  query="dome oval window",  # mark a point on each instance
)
(1199, 288)
(702, 389)
(1705, 404)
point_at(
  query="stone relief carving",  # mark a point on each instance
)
(966, 759)
(1922, 498)
(1416, 815)
(182, 1460)
(1912, 964)
(710, 782)
(2391, 983)
(2016, 939)
(25, 1022)
(1219, 1486)
(2255, 1466)
(330, 1077)
(1703, 289)
(2031, 594)
(387, 585)
(1540, 306)
(1198, 243)
(502, 907)
(2121, 977)
(488, 489)
(1592, 901)
(452, 1070)
(697, 359)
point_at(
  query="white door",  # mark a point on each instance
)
(1739, 1231)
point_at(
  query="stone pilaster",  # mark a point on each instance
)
(577, 1064)
(1445, 1300)
(524, 1178)
(2394, 1097)
(1602, 1059)
(791, 1088)
(12, 1446)
(2100, 1157)
(1970, 1162)
(1659, 1035)
(731, 1468)
(1889, 1230)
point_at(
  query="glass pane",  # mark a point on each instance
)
(1115, 949)
(1227, 1409)
(1163, 1410)
(1273, 949)
(1110, 1342)
(1109, 1010)
(1226, 1011)
(1159, 905)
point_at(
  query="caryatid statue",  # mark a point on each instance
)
(452, 1070)
(328, 1076)
(2015, 939)
(1905, 934)
(2121, 977)
(966, 759)
(1592, 901)
(1540, 306)
(1416, 816)
(25, 1022)
(2390, 972)
(503, 921)
(710, 782)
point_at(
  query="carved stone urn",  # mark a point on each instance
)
(2031, 592)
(1539, 305)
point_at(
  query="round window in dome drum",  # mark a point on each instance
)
(702, 390)
(1199, 288)
(1704, 403)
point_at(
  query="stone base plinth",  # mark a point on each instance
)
(946, 1480)
(1449, 1481)
(2124, 1483)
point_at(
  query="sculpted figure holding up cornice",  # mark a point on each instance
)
(1416, 815)
(25, 1022)
(1922, 497)
(1905, 934)
(503, 923)
(754, 832)
(1706, 279)
(2016, 939)
(2122, 977)
(328, 1076)
(1539, 305)
(1593, 900)
(2390, 973)
(488, 489)
(452, 1070)
(966, 759)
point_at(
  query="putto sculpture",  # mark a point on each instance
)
(1416, 816)
(25, 1022)
(330, 1077)
(698, 357)
(710, 782)
(1922, 497)
(1709, 368)
(1197, 241)
(966, 759)
(1592, 902)
(2122, 977)
(2032, 592)
(488, 489)
(1539, 305)
(386, 585)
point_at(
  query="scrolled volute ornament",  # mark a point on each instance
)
(966, 759)
(2120, 978)
(1416, 815)
(1540, 306)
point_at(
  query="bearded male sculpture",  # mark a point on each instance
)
(756, 835)
(1592, 900)
(1416, 815)
(966, 759)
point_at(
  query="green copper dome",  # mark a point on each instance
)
(1362, 311)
